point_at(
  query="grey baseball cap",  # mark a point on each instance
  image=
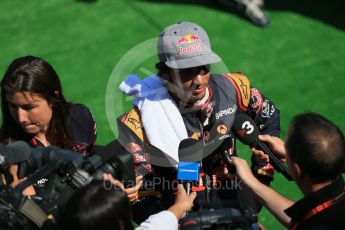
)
(185, 45)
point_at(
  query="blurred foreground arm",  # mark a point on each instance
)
(272, 200)
(183, 203)
(164, 219)
(169, 219)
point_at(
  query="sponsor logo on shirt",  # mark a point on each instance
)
(226, 112)
(267, 110)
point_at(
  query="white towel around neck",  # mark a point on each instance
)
(160, 116)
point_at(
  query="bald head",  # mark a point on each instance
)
(317, 146)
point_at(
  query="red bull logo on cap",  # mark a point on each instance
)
(188, 39)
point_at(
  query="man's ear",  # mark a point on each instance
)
(296, 171)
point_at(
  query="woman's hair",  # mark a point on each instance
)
(98, 205)
(34, 75)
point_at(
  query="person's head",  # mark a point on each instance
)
(185, 55)
(98, 205)
(32, 102)
(317, 146)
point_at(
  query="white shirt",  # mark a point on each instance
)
(163, 220)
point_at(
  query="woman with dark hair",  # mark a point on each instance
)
(104, 205)
(35, 110)
(95, 207)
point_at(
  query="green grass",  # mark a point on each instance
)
(298, 61)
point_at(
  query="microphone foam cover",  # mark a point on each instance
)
(16, 152)
(190, 150)
(245, 129)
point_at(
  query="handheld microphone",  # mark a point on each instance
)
(11, 154)
(190, 153)
(14, 153)
(247, 132)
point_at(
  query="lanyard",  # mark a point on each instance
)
(319, 208)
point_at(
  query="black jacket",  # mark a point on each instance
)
(323, 209)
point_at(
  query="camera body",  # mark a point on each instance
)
(63, 171)
(216, 216)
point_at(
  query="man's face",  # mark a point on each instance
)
(189, 85)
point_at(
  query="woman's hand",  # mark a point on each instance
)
(243, 170)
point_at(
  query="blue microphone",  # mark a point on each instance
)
(190, 154)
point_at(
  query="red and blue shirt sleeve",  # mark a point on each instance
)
(82, 127)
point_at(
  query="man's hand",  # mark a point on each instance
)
(276, 145)
(243, 170)
(28, 191)
(183, 202)
(132, 192)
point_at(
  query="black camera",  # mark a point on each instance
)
(56, 173)
(217, 216)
